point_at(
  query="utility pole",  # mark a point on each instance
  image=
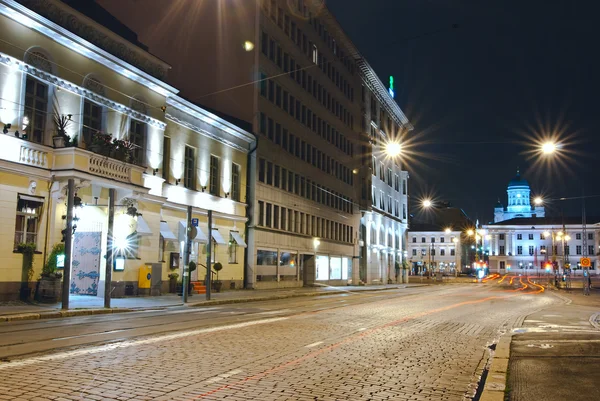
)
(109, 248)
(208, 256)
(586, 272)
(68, 244)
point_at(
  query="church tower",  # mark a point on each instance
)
(519, 202)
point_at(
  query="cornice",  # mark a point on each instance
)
(86, 93)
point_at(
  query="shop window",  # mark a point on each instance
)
(232, 250)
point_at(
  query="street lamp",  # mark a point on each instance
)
(393, 149)
(548, 148)
(448, 231)
(538, 201)
(427, 203)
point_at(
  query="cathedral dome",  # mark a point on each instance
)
(518, 181)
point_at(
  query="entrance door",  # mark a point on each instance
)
(85, 270)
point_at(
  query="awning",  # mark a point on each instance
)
(142, 228)
(218, 237)
(165, 231)
(238, 239)
(200, 236)
(31, 198)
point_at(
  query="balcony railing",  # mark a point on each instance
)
(24, 152)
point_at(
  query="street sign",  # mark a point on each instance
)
(585, 262)
(195, 222)
(192, 232)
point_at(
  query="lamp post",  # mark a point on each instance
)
(456, 256)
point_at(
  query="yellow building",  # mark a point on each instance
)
(120, 127)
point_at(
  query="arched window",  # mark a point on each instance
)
(39, 58)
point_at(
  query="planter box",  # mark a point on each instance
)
(49, 290)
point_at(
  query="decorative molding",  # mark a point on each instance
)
(86, 93)
(57, 33)
(90, 82)
(201, 131)
(38, 60)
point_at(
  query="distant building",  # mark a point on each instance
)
(519, 204)
(525, 244)
(439, 243)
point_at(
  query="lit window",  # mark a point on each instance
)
(315, 54)
(29, 209)
(36, 104)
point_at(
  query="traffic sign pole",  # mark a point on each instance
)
(186, 255)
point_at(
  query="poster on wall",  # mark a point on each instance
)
(174, 261)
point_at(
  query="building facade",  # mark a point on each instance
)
(383, 184)
(82, 103)
(432, 248)
(519, 203)
(526, 245)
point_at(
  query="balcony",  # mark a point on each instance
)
(84, 161)
(65, 161)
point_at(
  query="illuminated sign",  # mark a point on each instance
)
(392, 93)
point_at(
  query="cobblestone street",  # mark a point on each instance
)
(426, 343)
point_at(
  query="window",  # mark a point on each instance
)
(269, 173)
(591, 250)
(214, 175)
(261, 213)
(166, 158)
(277, 178)
(92, 120)
(36, 105)
(261, 170)
(235, 182)
(403, 187)
(519, 250)
(232, 250)
(138, 138)
(423, 240)
(531, 249)
(591, 236)
(432, 240)
(276, 216)
(542, 236)
(578, 236)
(502, 265)
(414, 252)
(501, 237)
(284, 218)
(452, 252)
(530, 236)
(189, 170)
(442, 252)
(315, 54)
(578, 249)
(502, 250)
(268, 215)
(519, 236)
(442, 239)
(414, 240)
(29, 209)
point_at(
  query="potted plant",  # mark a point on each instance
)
(101, 144)
(173, 282)
(28, 251)
(217, 284)
(49, 287)
(61, 138)
(192, 267)
(123, 150)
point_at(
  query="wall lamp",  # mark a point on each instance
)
(177, 181)
(203, 188)
(6, 128)
(226, 194)
(154, 171)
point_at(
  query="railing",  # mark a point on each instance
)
(20, 151)
(33, 157)
(110, 168)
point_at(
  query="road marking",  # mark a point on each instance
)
(90, 334)
(223, 376)
(273, 312)
(362, 329)
(151, 340)
(313, 344)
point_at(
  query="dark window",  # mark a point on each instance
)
(189, 173)
(214, 175)
(92, 120)
(138, 139)
(269, 173)
(261, 170)
(166, 159)
(36, 104)
(235, 182)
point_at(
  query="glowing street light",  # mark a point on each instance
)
(538, 200)
(470, 232)
(548, 148)
(546, 234)
(427, 203)
(448, 230)
(393, 149)
(248, 46)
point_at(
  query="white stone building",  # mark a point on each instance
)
(433, 247)
(525, 245)
(519, 203)
(384, 208)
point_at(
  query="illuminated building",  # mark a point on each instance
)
(519, 204)
(56, 61)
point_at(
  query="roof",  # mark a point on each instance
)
(439, 219)
(546, 221)
(518, 181)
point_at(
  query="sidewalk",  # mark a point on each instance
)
(555, 353)
(87, 305)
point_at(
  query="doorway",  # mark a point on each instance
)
(85, 271)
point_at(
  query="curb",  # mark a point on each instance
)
(86, 312)
(59, 314)
(297, 295)
(495, 384)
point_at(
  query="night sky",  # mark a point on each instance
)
(480, 94)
